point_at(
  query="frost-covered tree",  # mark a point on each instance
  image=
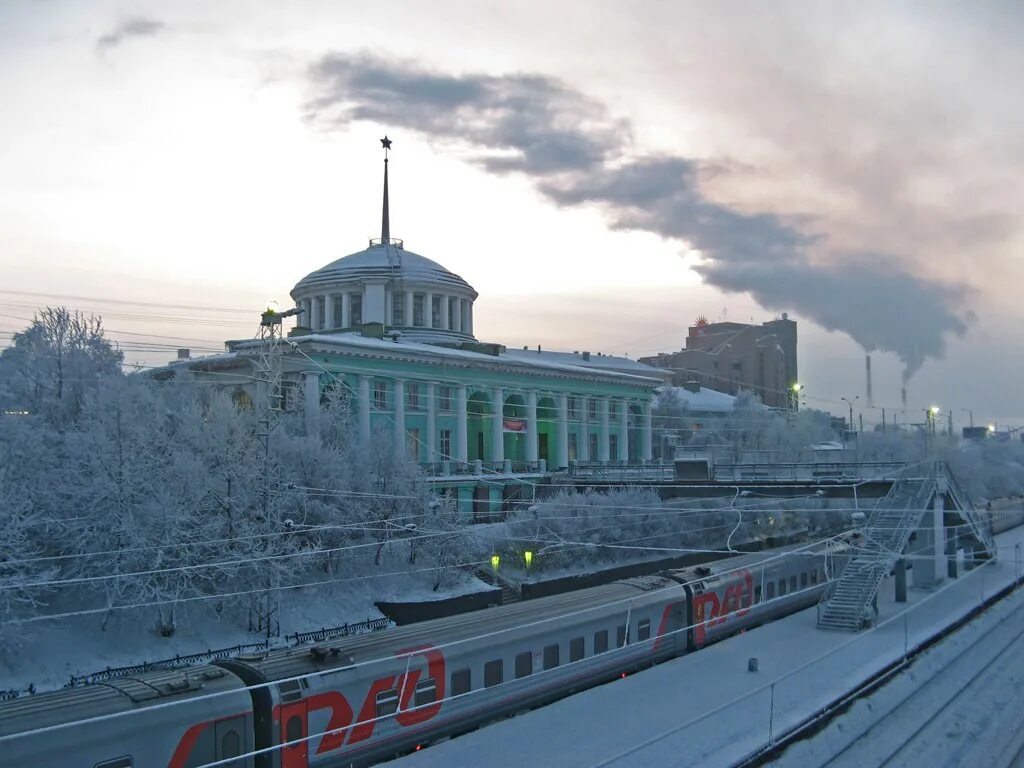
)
(51, 365)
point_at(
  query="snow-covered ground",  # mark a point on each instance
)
(51, 651)
(705, 708)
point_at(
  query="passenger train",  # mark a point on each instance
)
(361, 699)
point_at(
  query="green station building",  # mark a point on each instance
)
(486, 423)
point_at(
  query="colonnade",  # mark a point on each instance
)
(416, 309)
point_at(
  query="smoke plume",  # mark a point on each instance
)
(578, 154)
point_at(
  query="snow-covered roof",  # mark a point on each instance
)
(705, 400)
(603, 362)
(434, 353)
(381, 261)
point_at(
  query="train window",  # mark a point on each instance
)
(493, 673)
(426, 692)
(782, 587)
(803, 579)
(387, 702)
(771, 590)
(601, 641)
(757, 594)
(119, 762)
(461, 681)
(524, 664)
(576, 649)
(643, 630)
(550, 656)
(814, 576)
(792, 583)
(621, 636)
(230, 745)
(293, 728)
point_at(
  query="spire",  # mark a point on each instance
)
(385, 225)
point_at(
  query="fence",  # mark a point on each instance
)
(370, 625)
(177, 661)
(13, 693)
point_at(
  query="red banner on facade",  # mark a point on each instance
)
(515, 425)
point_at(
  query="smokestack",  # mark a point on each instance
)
(867, 362)
(903, 395)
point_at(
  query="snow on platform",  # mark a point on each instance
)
(705, 708)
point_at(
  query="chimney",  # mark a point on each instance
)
(586, 356)
(867, 362)
(692, 386)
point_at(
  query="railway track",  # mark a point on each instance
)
(964, 713)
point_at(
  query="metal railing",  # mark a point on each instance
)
(318, 635)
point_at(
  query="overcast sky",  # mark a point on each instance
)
(602, 173)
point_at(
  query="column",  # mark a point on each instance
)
(428, 310)
(532, 441)
(431, 435)
(497, 425)
(583, 446)
(648, 435)
(314, 314)
(409, 299)
(364, 408)
(603, 448)
(456, 315)
(346, 311)
(466, 315)
(624, 431)
(563, 432)
(400, 438)
(311, 402)
(328, 311)
(938, 523)
(461, 427)
(444, 313)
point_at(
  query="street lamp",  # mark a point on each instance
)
(528, 557)
(794, 395)
(882, 409)
(850, 403)
(969, 413)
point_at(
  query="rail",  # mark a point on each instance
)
(318, 635)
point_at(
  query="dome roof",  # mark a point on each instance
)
(381, 262)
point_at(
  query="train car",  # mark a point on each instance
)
(124, 723)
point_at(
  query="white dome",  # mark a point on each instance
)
(388, 262)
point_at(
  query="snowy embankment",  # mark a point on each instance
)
(705, 708)
(51, 651)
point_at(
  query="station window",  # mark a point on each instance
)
(643, 630)
(461, 681)
(592, 409)
(356, 309)
(387, 702)
(524, 664)
(412, 395)
(435, 311)
(550, 656)
(601, 641)
(380, 394)
(621, 636)
(338, 303)
(446, 444)
(426, 692)
(493, 673)
(576, 649)
(418, 312)
(570, 405)
(444, 398)
(398, 308)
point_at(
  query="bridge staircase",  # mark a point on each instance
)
(886, 534)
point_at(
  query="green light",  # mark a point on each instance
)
(797, 387)
(528, 555)
(934, 410)
(495, 561)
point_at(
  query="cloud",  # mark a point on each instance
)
(578, 154)
(138, 27)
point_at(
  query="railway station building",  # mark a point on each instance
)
(394, 330)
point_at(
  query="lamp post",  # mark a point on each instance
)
(882, 409)
(794, 395)
(528, 557)
(970, 413)
(850, 403)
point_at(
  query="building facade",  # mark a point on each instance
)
(392, 331)
(731, 357)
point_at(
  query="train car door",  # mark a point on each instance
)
(294, 728)
(230, 740)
